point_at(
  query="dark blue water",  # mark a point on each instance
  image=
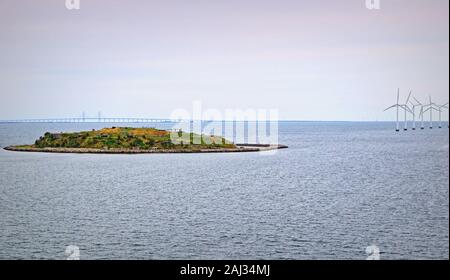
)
(339, 188)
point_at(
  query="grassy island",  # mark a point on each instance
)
(126, 138)
(135, 140)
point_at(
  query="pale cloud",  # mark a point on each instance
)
(146, 58)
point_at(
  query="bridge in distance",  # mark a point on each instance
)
(94, 120)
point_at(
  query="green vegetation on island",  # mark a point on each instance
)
(127, 138)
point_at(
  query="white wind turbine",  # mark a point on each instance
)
(421, 114)
(407, 109)
(440, 108)
(413, 109)
(431, 107)
(398, 106)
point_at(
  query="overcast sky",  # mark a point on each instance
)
(312, 60)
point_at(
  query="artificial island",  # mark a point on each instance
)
(128, 140)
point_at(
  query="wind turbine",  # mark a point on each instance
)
(407, 109)
(418, 103)
(397, 106)
(431, 107)
(440, 113)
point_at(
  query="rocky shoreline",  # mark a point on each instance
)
(240, 148)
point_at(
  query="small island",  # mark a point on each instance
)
(128, 140)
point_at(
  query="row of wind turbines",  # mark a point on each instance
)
(411, 106)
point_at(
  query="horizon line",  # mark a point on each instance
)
(165, 120)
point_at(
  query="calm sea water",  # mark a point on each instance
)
(339, 188)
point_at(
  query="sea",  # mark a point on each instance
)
(340, 190)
